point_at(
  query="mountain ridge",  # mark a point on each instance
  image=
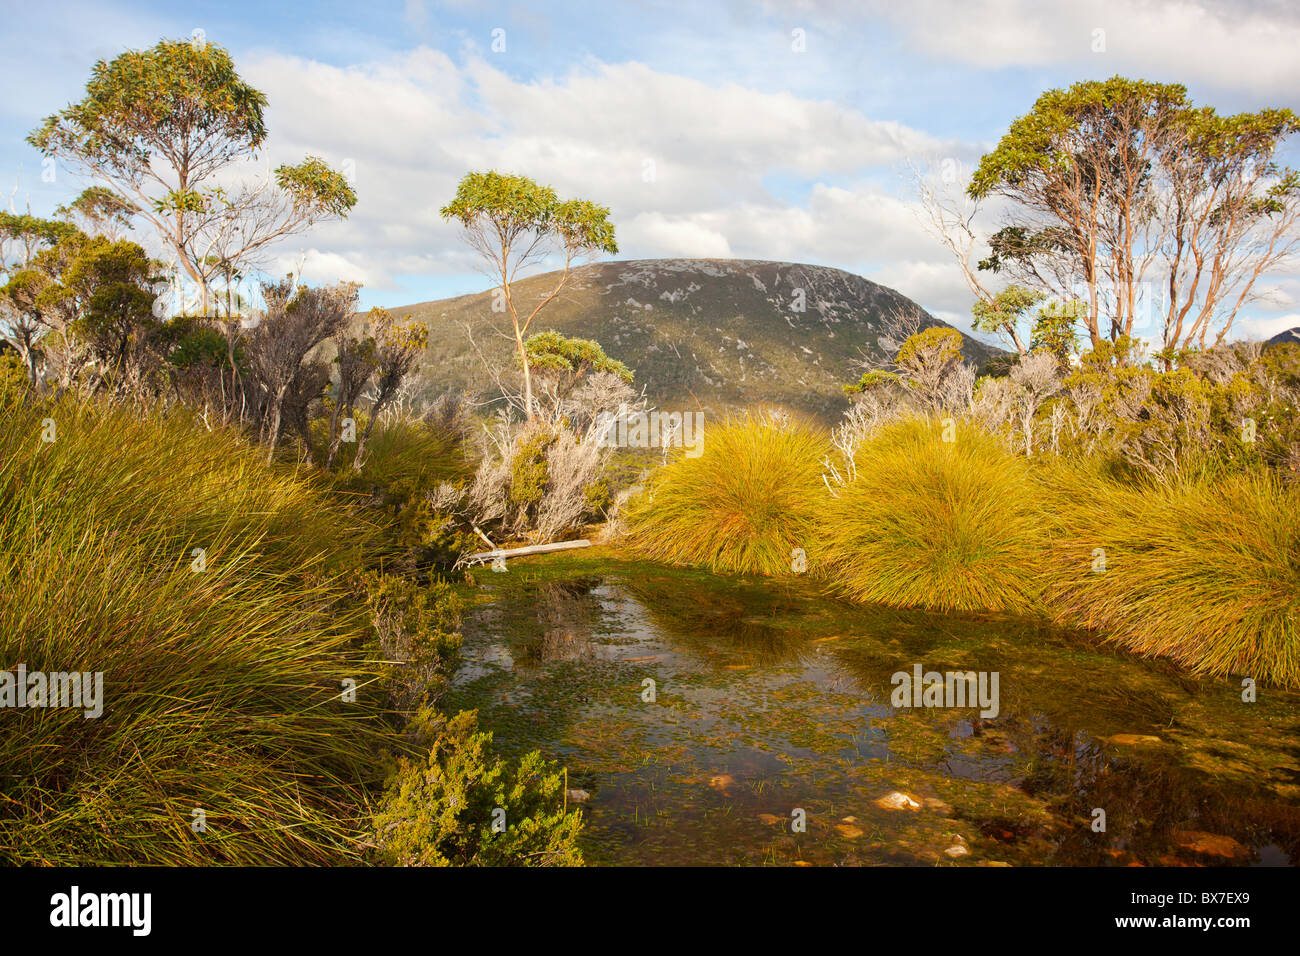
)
(713, 334)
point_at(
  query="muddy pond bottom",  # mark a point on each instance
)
(726, 721)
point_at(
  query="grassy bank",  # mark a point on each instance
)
(269, 686)
(208, 591)
(1204, 570)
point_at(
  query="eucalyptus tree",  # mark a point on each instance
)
(513, 223)
(1120, 188)
(162, 130)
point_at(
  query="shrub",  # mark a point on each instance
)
(439, 809)
(934, 524)
(221, 680)
(407, 461)
(415, 634)
(1206, 573)
(742, 506)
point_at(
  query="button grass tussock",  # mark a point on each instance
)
(743, 506)
(948, 525)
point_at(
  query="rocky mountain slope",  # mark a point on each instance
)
(711, 334)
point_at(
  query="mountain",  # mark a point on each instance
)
(1290, 335)
(717, 334)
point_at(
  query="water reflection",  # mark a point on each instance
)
(773, 698)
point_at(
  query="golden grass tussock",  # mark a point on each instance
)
(923, 522)
(747, 504)
(1205, 572)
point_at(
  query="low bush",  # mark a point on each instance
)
(460, 804)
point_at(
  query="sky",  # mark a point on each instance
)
(753, 129)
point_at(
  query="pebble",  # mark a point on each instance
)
(1211, 844)
(896, 800)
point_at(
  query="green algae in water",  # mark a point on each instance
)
(770, 698)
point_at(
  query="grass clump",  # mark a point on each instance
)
(222, 667)
(743, 506)
(1204, 571)
(923, 522)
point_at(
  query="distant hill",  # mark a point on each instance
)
(1290, 335)
(717, 334)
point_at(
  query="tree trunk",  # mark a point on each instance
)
(528, 378)
(484, 556)
(274, 437)
(361, 445)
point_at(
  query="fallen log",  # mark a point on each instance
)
(485, 556)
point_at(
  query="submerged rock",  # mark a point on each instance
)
(897, 800)
(577, 796)
(1132, 740)
(1210, 844)
(848, 831)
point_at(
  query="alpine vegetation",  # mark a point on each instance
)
(936, 514)
(745, 505)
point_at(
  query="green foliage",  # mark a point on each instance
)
(180, 101)
(32, 234)
(937, 344)
(515, 206)
(927, 523)
(528, 475)
(1035, 143)
(1006, 311)
(221, 686)
(1054, 330)
(313, 184)
(439, 809)
(872, 380)
(100, 208)
(570, 360)
(113, 283)
(742, 506)
(191, 342)
(1202, 571)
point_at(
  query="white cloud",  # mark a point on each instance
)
(1227, 45)
(687, 168)
(1259, 328)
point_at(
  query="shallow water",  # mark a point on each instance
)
(770, 698)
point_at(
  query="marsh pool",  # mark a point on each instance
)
(725, 721)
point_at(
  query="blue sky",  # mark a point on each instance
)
(759, 149)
